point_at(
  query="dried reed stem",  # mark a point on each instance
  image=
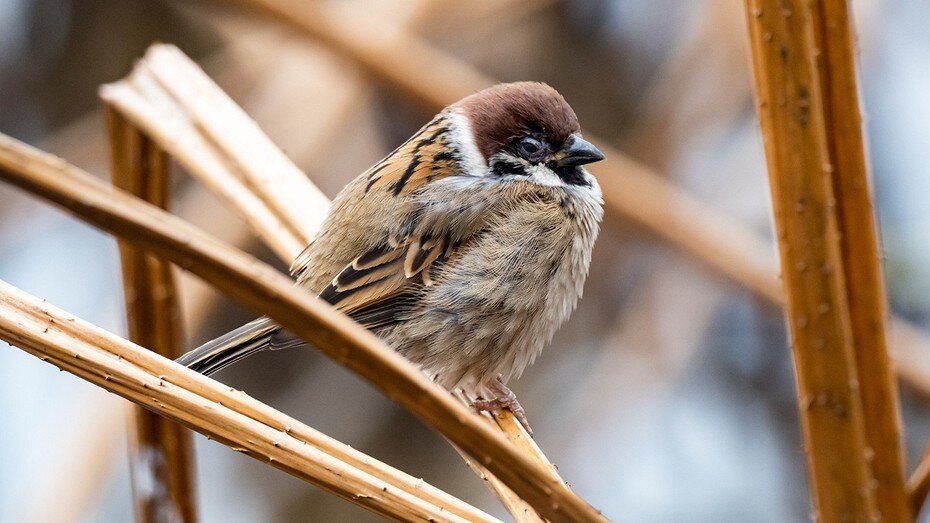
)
(161, 453)
(267, 172)
(170, 60)
(809, 114)
(178, 136)
(271, 293)
(630, 189)
(182, 395)
(860, 252)
(521, 511)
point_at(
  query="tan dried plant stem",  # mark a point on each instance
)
(631, 189)
(521, 511)
(184, 396)
(92, 456)
(271, 293)
(161, 452)
(223, 123)
(809, 112)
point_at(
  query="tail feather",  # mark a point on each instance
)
(229, 348)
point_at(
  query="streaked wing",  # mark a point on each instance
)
(424, 157)
(381, 286)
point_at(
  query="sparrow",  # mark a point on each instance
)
(464, 249)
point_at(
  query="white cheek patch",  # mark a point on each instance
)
(472, 159)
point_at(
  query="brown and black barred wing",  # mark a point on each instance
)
(382, 286)
(428, 155)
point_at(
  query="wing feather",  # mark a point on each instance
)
(428, 155)
(380, 287)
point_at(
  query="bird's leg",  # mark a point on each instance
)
(500, 398)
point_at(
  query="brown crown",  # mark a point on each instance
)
(500, 114)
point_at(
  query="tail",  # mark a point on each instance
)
(231, 347)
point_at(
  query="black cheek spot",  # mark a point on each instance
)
(504, 168)
(572, 176)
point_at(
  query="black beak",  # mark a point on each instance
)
(577, 151)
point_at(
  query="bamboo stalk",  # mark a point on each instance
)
(514, 431)
(860, 252)
(630, 189)
(161, 453)
(224, 123)
(521, 511)
(809, 114)
(184, 396)
(269, 292)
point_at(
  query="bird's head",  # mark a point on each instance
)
(527, 130)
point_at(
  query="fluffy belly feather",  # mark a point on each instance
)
(492, 310)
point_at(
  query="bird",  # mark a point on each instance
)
(464, 249)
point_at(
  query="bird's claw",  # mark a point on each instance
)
(505, 399)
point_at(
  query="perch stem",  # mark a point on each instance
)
(110, 362)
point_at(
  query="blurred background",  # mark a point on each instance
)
(668, 396)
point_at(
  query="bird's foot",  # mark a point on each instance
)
(502, 398)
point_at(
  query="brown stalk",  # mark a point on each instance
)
(222, 124)
(161, 453)
(630, 189)
(860, 250)
(204, 405)
(271, 293)
(266, 171)
(809, 112)
(521, 511)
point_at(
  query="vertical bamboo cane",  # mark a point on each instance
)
(809, 112)
(161, 454)
(861, 256)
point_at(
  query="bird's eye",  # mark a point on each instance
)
(530, 146)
